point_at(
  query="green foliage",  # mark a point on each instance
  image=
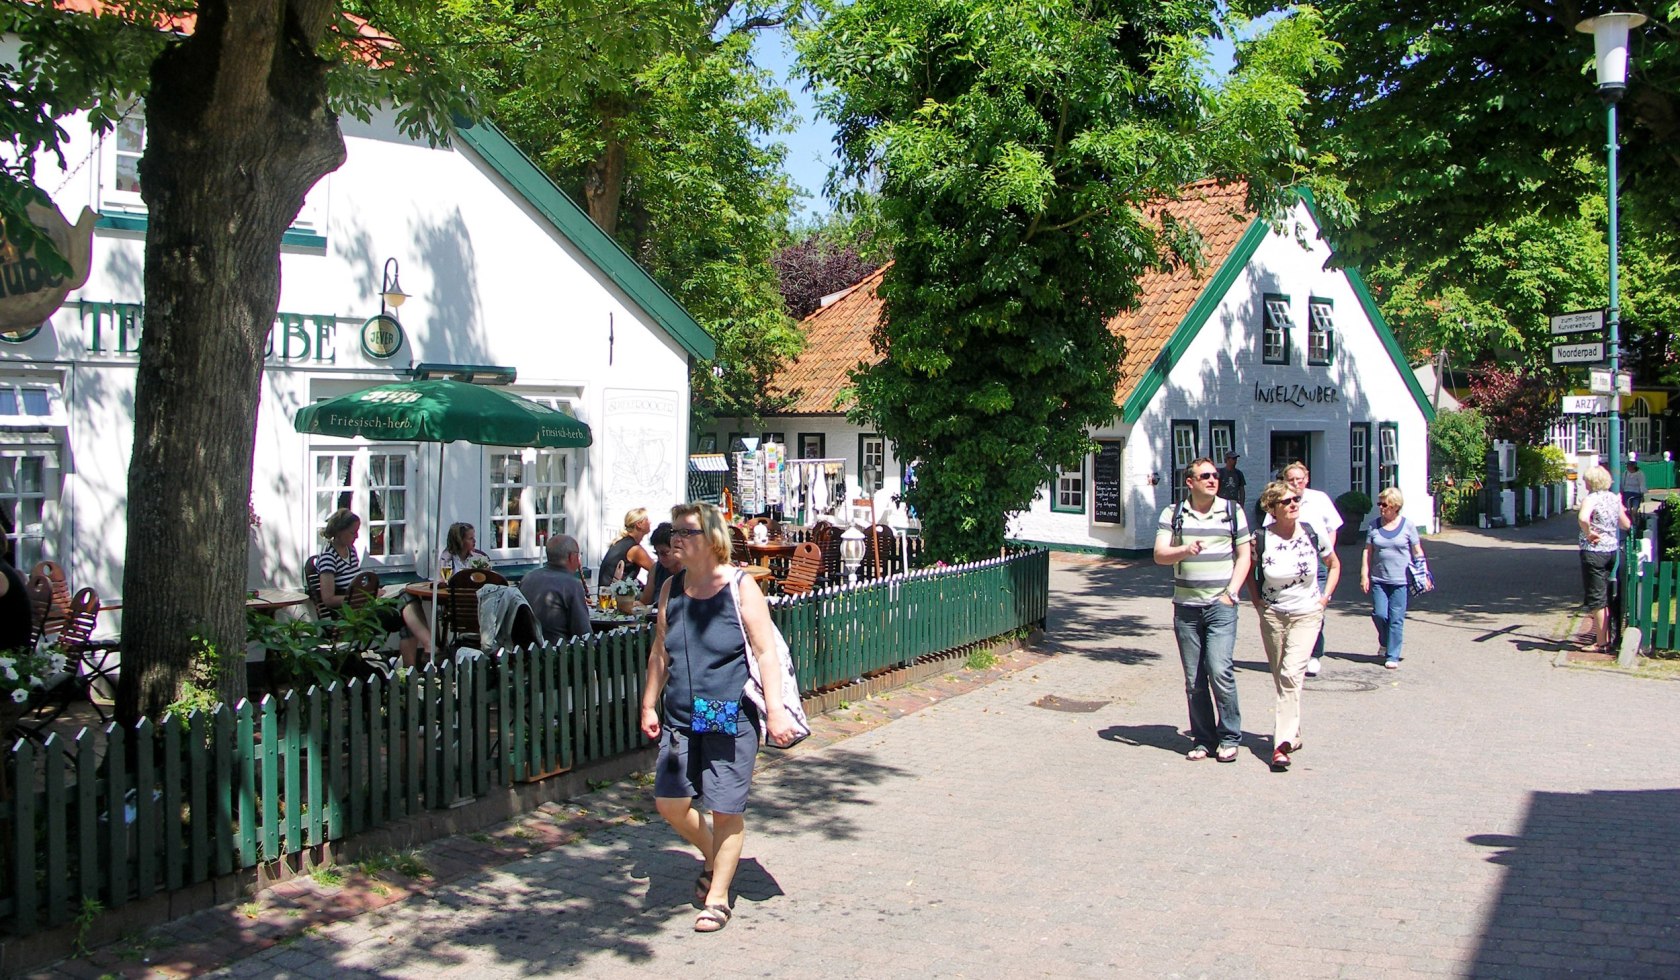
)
(1458, 443)
(1458, 504)
(1445, 117)
(1539, 466)
(1670, 524)
(1353, 506)
(1015, 148)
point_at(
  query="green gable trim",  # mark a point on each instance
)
(1214, 292)
(530, 183)
(1206, 302)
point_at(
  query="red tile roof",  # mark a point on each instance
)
(837, 337)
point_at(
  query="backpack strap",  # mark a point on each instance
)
(1178, 524)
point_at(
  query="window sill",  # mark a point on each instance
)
(293, 238)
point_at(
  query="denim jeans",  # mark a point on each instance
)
(1388, 612)
(1207, 639)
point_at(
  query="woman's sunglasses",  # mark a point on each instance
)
(686, 532)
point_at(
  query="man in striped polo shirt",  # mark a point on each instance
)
(1206, 540)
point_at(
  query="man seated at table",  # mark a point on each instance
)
(555, 592)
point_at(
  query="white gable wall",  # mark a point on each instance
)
(491, 282)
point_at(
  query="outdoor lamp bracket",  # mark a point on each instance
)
(1610, 46)
(390, 290)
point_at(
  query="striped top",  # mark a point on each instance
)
(1198, 580)
(342, 570)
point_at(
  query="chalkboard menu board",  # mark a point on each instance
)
(1107, 508)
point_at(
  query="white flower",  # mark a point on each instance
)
(7, 661)
(57, 662)
(20, 695)
(10, 671)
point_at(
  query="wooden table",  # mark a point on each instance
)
(271, 601)
(762, 553)
(603, 620)
(758, 573)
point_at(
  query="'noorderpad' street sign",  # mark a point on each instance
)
(1580, 321)
(1578, 353)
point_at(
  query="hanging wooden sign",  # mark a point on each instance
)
(30, 291)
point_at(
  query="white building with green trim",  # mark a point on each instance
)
(1271, 354)
(509, 282)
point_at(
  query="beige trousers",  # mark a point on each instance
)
(1289, 639)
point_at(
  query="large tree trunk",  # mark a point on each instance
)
(238, 130)
(603, 184)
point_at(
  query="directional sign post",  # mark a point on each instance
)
(1581, 321)
(1589, 353)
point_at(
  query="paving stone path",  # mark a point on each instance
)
(1487, 811)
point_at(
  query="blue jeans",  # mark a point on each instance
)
(1388, 612)
(1207, 639)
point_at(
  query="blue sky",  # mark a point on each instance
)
(811, 146)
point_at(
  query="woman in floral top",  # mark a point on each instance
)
(1603, 518)
(1290, 605)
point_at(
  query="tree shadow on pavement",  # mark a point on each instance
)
(558, 910)
(1589, 887)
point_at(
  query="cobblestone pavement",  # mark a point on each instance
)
(1484, 811)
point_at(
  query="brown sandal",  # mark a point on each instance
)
(712, 918)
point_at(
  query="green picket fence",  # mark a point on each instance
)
(1649, 590)
(116, 815)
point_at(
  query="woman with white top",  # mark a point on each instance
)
(1291, 606)
(1603, 518)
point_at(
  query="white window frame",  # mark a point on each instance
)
(34, 536)
(534, 526)
(1321, 328)
(872, 456)
(1359, 458)
(361, 489)
(50, 399)
(1275, 322)
(1182, 454)
(1388, 455)
(1222, 439)
(1069, 490)
(1639, 426)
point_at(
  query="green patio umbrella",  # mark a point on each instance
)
(441, 410)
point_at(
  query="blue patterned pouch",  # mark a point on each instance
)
(715, 717)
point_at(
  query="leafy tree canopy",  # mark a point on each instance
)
(1445, 117)
(650, 113)
(1014, 148)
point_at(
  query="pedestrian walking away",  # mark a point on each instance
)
(1318, 510)
(1291, 605)
(1232, 484)
(694, 701)
(1206, 540)
(1603, 518)
(1391, 545)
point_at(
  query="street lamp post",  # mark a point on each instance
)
(1610, 41)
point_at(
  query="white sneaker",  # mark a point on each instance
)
(1313, 663)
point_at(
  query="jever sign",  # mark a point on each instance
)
(29, 290)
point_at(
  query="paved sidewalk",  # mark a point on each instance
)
(1481, 812)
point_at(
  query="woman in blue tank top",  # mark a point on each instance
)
(707, 732)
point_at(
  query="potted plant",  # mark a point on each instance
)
(22, 673)
(624, 592)
(1353, 506)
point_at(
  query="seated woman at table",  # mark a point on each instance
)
(339, 562)
(627, 557)
(666, 563)
(460, 547)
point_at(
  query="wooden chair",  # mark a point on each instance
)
(827, 538)
(364, 588)
(461, 604)
(91, 657)
(880, 552)
(773, 529)
(52, 573)
(40, 608)
(805, 570)
(738, 545)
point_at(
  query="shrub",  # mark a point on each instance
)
(1458, 443)
(1353, 506)
(1538, 466)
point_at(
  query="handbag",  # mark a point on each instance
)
(715, 717)
(1418, 577)
(758, 688)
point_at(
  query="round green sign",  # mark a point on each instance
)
(382, 336)
(22, 335)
